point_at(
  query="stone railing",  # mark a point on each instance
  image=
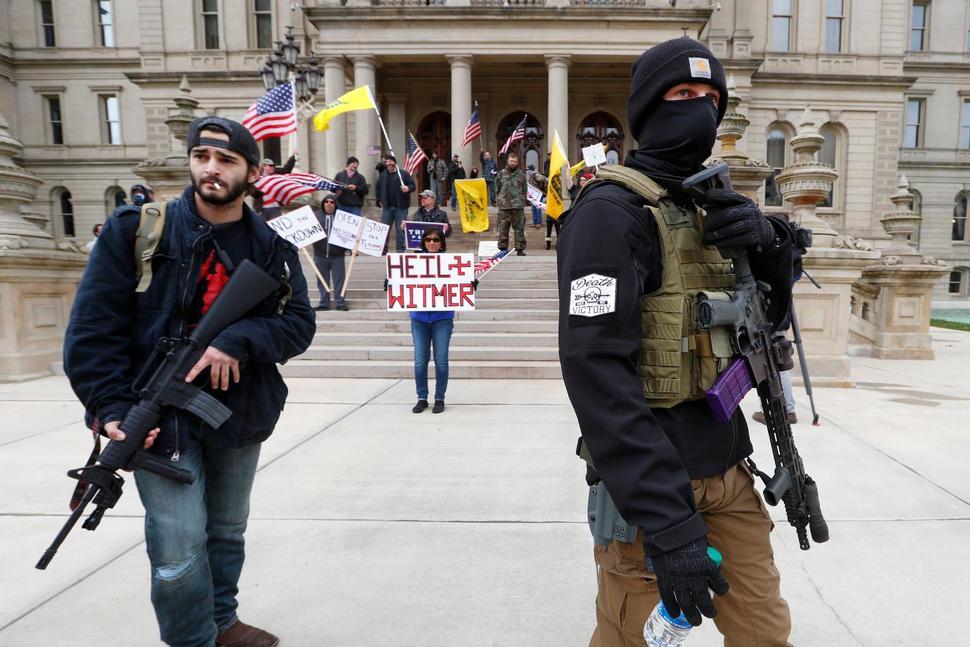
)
(862, 317)
(608, 3)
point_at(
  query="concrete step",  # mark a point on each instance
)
(459, 369)
(382, 314)
(481, 303)
(347, 324)
(485, 291)
(455, 353)
(334, 338)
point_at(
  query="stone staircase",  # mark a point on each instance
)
(511, 334)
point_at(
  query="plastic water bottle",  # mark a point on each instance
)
(663, 630)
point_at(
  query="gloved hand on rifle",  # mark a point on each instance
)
(734, 221)
(684, 576)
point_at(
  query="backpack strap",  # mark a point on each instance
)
(630, 179)
(151, 224)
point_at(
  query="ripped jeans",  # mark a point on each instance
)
(194, 536)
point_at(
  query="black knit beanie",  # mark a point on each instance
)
(679, 60)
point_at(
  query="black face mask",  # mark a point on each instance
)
(675, 140)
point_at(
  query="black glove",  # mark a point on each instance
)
(734, 221)
(684, 576)
(784, 353)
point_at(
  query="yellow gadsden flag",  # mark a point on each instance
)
(554, 205)
(472, 204)
(357, 99)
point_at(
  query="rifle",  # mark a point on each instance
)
(758, 356)
(160, 384)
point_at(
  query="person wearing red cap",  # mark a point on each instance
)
(667, 478)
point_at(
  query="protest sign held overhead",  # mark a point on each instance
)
(299, 227)
(414, 232)
(430, 282)
(594, 155)
(535, 197)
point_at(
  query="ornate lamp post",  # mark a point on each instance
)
(283, 65)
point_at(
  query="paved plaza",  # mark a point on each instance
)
(375, 526)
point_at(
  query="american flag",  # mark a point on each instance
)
(282, 189)
(517, 134)
(274, 115)
(414, 157)
(472, 130)
(483, 267)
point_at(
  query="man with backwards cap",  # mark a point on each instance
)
(194, 533)
(666, 477)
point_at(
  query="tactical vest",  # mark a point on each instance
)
(678, 359)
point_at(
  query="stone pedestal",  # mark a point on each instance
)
(38, 276)
(747, 174)
(168, 176)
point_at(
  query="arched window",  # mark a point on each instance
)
(776, 155)
(605, 128)
(114, 197)
(830, 155)
(959, 230)
(63, 214)
(959, 281)
(529, 148)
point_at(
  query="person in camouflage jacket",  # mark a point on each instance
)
(510, 197)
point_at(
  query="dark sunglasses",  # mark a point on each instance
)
(433, 240)
(330, 201)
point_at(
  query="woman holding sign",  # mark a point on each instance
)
(431, 328)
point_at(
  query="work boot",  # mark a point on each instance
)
(243, 635)
(343, 307)
(548, 243)
(759, 416)
(420, 406)
(520, 252)
(439, 406)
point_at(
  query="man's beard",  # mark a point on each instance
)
(232, 191)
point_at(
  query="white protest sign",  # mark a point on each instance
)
(430, 282)
(372, 238)
(299, 227)
(487, 248)
(343, 230)
(594, 155)
(535, 198)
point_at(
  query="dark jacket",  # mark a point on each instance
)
(351, 198)
(322, 247)
(112, 330)
(489, 170)
(645, 457)
(388, 192)
(435, 215)
(455, 172)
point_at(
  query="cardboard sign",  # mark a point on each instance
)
(299, 227)
(487, 248)
(594, 155)
(430, 282)
(347, 229)
(535, 198)
(414, 232)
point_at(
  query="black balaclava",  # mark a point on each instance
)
(674, 137)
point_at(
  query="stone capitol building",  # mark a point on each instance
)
(86, 87)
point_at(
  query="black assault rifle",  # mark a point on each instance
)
(759, 354)
(162, 384)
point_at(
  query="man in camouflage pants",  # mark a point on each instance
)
(510, 197)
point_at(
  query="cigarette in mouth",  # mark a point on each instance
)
(217, 185)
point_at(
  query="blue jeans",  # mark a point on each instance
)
(424, 335)
(536, 216)
(349, 209)
(394, 216)
(194, 536)
(332, 268)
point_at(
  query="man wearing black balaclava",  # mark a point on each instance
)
(667, 479)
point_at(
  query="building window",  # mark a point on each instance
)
(959, 232)
(110, 119)
(829, 155)
(777, 145)
(781, 16)
(834, 16)
(65, 211)
(47, 22)
(965, 125)
(105, 22)
(263, 14)
(913, 132)
(56, 124)
(919, 27)
(958, 281)
(114, 197)
(210, 24)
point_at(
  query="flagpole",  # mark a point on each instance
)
(380, 120)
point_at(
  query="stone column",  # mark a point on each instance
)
(397, 129)
(169, 175)
(835, 261)
(461, 105)
(903, 280)
(558, 114)
(335, 82)
(38, 276)
(367, 132)
(747, 175)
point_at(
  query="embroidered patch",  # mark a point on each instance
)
(700, 68)
(592, 295)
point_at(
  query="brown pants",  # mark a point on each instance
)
(752, 614)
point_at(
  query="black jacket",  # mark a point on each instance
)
(435, 215)
(351, 198)
(112, 330)
(645, 457)
(388, 192)
(322, 247)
